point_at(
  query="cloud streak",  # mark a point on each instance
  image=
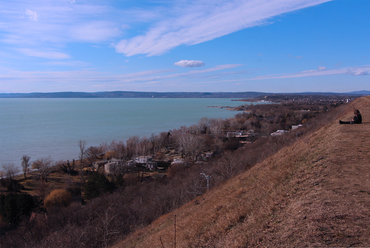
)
(50, 25)
(198, 21)
(44, 54)
(53, 24)
(91, 78)
(322, 71)
(32, 15)
(190, 63)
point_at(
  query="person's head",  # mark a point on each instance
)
(357, 112)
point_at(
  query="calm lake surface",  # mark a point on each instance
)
(53, 127)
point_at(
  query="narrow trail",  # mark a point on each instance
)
(315, 193)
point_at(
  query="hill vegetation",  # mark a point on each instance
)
(75, 206)
(312, 193)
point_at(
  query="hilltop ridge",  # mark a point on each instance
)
(313, 193)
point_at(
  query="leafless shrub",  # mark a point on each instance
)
(44, 165)
(228, 165)
(10, 170)
(25, 164)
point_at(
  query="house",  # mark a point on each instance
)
(131, 163)
(279, 132)
(146, 161)
(98, 164)
(152, 165)
(143, 159)
(294, 127)
(178, 161)
(110, 167)
(234, 134)
(242, 136)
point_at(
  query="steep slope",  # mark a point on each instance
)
(314, 193)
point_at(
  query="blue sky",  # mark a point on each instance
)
(184, 45)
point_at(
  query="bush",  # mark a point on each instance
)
(96, 185)
(11, 184)
(58, 197)
(15, 206)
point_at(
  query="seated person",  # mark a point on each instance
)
(357, 119)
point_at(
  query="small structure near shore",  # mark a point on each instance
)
(279, 132)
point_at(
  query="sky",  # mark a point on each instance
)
(276, 46)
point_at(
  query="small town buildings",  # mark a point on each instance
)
(108, 165)
(146, 161)
(279, 132)
(294, 127)
(178, 161)
(143, 159)
(98, 164)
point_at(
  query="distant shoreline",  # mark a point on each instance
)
(132, 94)
(137, 94)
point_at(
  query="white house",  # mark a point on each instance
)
(143, 159)
(294, 127)
(279, 132)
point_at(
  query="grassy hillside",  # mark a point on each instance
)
(313, 193)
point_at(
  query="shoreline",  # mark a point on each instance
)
(39, 131)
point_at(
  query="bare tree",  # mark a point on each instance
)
(106, 225)
(216, 126)
(119, 149)
(228, 165)
(203, 125)
(190, 145)
(132, 146)
(44, 166)
(25, 164)
(195, 185)
(10, 170)
(81, 145)
(93, 153)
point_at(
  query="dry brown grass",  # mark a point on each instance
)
(56, 180)
(314, 193)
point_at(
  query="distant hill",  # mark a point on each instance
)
(315, 193)
(361, 92)
(136, 94)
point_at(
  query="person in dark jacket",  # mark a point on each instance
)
(357, 119)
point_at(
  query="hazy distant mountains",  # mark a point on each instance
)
(135, 94)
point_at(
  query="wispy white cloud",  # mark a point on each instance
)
(44, 54)
(194, 22)
(94, 31)
(190, 63)
(32, 15)
(194, 73)
(88, 78)
(53, 24)
(69, 63)
(322, 71)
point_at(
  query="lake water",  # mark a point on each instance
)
(53, 127)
